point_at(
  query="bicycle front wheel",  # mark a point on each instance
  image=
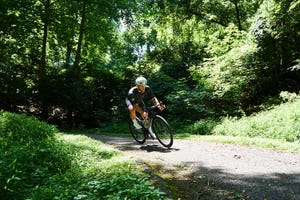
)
(163, 131)
(138, 135)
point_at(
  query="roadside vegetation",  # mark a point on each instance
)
(71, 64)
(37, 162)
(276, 126)
(228, 71)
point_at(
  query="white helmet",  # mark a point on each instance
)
(141, 81)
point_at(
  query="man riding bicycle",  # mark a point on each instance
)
(135, 100)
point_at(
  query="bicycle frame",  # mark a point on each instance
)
(151, 114)
(158, 128)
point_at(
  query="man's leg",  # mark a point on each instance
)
(132, 112)
(133, 117)
(139, 109)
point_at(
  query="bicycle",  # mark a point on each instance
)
(156, 127)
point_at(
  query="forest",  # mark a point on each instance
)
(71, 62)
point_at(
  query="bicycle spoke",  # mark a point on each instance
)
(139, 136)
(162, 131)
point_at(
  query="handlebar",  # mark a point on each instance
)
(156, 106)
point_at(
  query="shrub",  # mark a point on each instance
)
(30, 154)
(98, 172)
(191, 104)
(281, 122)
(36, 163)
(202, 127)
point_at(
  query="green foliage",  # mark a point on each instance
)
(230, 79)
(91, 100)
(275, 30)
(281, 122)
(40, 43)
(69, 62)
(190, 104)
(224, 39)
(202, 127)
(29, 154)
(240, 71)
(111, 186)
(288, 97)
(163, 85)
(38, 163)
(114, 128)
(98, 171)
(294, 5)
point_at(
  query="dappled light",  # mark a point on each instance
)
(209, 170)
(227, 72)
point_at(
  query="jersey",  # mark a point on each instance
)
(135, 97)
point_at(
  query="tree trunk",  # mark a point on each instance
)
(68, 53)
(42, 69)
(79, 44)
(238, 14)
(75, 72)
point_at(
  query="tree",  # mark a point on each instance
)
(276, 31)
(46, 20)
(58, 57)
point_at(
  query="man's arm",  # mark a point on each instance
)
(156, 102)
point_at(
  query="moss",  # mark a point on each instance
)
(187, 185)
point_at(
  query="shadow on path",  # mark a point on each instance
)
(199, 180)
(274, 186)
(124, 143)
(157, 148)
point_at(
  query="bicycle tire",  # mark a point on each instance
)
(138, 136)
(162, 131)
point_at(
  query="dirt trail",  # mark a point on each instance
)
(219, 169)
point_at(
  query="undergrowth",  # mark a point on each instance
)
(37, 162)
(282, 123)
(277, 127)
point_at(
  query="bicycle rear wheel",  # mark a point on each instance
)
(138, 135)
(163, 131)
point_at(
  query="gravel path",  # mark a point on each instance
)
(257, 173)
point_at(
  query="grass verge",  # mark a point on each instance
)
(98, 172)
(277, 128)
(275, 144)
(37, 162)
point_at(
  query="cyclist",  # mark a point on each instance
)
(135, 100)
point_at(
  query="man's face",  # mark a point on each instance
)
(141, 88)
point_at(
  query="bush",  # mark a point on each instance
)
(37, 163)
(30, 154)
(98, 172)
(162, 85)
(202, 127)
(281, 122)
(191, 104)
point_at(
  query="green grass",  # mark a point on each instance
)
(276, 128)
(98, 172)
(275, 144)
(111, 129)
(282, 123)
(37, 162)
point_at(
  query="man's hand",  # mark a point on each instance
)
(161, 106)
(145, 115)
